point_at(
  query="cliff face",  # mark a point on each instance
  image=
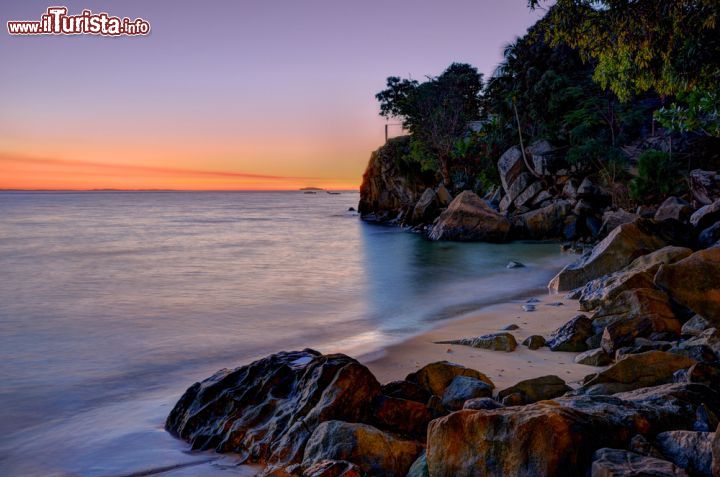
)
(391, 186)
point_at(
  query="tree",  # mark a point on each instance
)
(671, 47)
(436, 112)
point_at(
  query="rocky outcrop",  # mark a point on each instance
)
(266, 411)
(556, 438)
(639, 274)
(622, 463)
(391, 186)
(695, 283)
(636, 371)
(373, 451)
(470, 218)
(614, 252)
(426, 208)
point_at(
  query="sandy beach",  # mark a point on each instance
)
(504, 368)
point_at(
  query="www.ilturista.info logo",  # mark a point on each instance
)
(56, 21)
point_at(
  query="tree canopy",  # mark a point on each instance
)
(436, 111)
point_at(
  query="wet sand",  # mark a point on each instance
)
(504, 368)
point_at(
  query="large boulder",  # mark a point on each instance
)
(556, 438)
(636, 371)
(510, 166)
(706, 216)
(546, 222)
(688, 450)
(535, 389)
(543, 158)
(674, 208)
(436, 377)
(639, 274)
(426, 208)
(517, 187)
(614, 252)
(622, 463)
(373, 451)
(470, 218)
(266, 411)
(572, 335)
(390, 186)
(615, 218)
(695, 283)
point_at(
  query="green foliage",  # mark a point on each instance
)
(671, 47)
(658, 177)
(694, 111)
(436, 112)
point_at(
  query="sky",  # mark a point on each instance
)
(225, 94)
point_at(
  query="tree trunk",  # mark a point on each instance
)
(445, 173)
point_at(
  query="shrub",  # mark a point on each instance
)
(658, 177)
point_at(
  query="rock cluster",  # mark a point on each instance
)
(650, 330)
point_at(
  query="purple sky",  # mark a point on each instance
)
(280, 88)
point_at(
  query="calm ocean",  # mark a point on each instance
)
(112, 303)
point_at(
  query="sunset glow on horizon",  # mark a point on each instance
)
(237, 96)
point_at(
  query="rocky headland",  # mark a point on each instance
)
(640, 311)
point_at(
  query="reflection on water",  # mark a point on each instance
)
(111, 304)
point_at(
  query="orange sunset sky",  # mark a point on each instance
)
(226, 94)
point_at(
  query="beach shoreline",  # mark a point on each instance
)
(396, 361)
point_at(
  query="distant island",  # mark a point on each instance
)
(311, 188)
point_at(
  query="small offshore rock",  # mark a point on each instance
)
(555, 303)
(515, 264)
(511, 327)
(533, 300)
(534, 342)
